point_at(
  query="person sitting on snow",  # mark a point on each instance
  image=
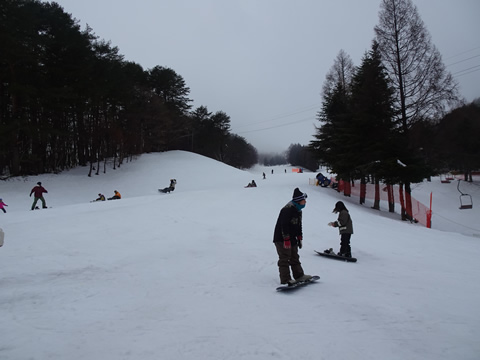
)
(173, 182)
(116, 196)
(323, 181)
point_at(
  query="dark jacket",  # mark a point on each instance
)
(38, 191)
(344, 222)
(289, 224)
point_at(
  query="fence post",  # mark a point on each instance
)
(429, 214)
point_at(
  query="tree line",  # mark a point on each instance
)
(69, 98)
(385, 119)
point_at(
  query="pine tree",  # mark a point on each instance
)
(371, 144)
(330, 144)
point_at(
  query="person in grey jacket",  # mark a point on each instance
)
(345, 228)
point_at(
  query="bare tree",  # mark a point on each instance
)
(423, 87)
(341, 73)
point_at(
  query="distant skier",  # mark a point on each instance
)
(345, 228)
(2, 204)
(116, 195)
(101, 197)
(287, 238)
(38, 192)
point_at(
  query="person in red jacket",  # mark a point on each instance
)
(2, 204)
(38, 195)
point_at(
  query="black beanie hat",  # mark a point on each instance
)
(339, 206)
(298, 195)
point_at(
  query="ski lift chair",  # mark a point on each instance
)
(466, 200)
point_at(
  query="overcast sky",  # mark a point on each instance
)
(263, 62)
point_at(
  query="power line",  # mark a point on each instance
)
(281, 116)
(467, 70)
(458, 62)
(473, 69)
(464, 52)
(276, 126)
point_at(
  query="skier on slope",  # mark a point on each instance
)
(2, 204)
(38, 195)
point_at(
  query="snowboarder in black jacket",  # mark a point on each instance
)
(287, 238)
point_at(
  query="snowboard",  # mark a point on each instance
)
(336, 257)
(298, 284)
(166, 190)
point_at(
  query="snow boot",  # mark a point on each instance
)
(291, 282)
(304, 278)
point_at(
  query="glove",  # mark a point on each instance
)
(299, 241)
(286, 243)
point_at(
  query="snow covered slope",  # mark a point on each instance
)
(192, 274)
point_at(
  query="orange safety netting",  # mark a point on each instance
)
(414, 209)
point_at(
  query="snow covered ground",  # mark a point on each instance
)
(192, 274)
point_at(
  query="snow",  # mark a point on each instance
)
(192, 274)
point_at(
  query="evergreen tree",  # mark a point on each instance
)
(171, 87)
(302, 156)
(455, 143)
(68, 98)
(239, 153)
(371, 144)
(331, 146)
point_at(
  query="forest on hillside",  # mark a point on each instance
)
(68, 98)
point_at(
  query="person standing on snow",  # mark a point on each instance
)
(287, 238)
(345, 228)
(38, 195)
